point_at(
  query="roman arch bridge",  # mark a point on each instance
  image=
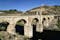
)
(28, 29)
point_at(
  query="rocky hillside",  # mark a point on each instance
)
(11, 11)
(46, 10)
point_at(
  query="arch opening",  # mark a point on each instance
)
(44, 19)
(35, 21)
(48, 18)
(3, 26)
(20, 26)
(34, 24)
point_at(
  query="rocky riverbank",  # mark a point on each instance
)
(7, 36)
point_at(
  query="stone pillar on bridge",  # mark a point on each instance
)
(11, 27)
(39, 27)
(28, 30)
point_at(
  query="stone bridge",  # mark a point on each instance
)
(28, 29)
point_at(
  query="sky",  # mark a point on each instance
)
(24, 5)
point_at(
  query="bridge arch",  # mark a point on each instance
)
(4, 25)
(35, 21)
(20, 26)
(34, 25)
(22, 20)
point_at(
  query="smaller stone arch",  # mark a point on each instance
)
(44, 19)
(48, 18)
(3, 26)
(35, 21)
(34, 25)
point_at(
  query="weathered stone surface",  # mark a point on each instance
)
(6, 36)
(28, 29)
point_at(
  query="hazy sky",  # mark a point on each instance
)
(24, 5)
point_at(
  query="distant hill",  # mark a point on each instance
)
(11, 11)
(46, 10)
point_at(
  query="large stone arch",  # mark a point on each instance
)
(19, 28)
(5, 19)
(4, 25)
(13, 20)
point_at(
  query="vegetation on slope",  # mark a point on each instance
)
(11, 11)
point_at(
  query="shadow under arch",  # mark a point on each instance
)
(20, 26)
(3, 26)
